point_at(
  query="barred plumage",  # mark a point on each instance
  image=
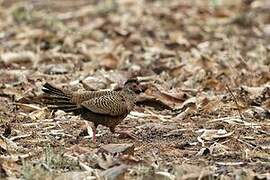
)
(107, 108)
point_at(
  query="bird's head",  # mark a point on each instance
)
(133, 85)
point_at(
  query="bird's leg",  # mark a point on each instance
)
(94, 130)
(87, 130)
(94, 139)
(123, 134)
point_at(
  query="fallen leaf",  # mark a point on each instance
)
(116, 172)
(29, 107)
(212, 134)
(25, 58)
(187, 171)
(161, 175)
(118, 148)
(76, 176)
(57, 69)
(109, 61)
(106, 161)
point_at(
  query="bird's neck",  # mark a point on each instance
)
(130, 97)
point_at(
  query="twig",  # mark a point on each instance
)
(235, 120)
(160, 117)
(230, 163)
(19, 137)
(235, 101)
(56, 134)
(247, 143)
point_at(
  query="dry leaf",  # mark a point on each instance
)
(116, 172)
(109, 61)
(118, 148)
(209, 135)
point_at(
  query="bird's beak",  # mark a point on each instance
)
(139, 90)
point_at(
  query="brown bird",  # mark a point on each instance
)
(107, 108)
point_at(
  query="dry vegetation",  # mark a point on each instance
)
(205, 67)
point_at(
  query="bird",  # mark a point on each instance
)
(103, 107)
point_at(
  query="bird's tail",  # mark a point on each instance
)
(56, 99)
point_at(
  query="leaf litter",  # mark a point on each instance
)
(204, 69)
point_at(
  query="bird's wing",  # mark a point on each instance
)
(113, 105)
(79, 97)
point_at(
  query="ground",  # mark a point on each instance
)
(204, 67)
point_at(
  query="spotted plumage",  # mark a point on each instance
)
(107, 108)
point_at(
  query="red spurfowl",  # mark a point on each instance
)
(107, 108)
